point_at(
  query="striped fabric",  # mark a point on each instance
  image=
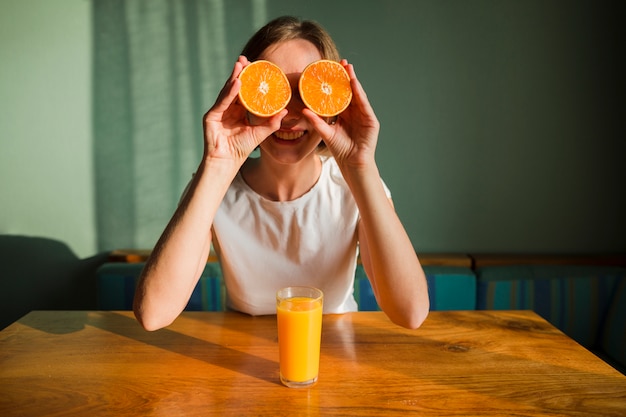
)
(449, 288)
(363, 292)
(613, 340)
(573, 298)
(116, 287)
(210, 293)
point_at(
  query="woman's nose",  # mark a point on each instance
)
(295, 105)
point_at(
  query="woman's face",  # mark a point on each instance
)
(296, 139)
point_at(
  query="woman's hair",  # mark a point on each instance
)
(287, 28)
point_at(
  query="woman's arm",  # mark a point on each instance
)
(180, 255)
(387, 254)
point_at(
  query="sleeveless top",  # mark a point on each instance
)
(266, 245)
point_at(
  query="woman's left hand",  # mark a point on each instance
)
(352, 138)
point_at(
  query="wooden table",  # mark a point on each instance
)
(457, 364)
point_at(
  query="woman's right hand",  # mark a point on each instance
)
(227, 132)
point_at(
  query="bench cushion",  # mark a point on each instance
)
(613, 340)
(116, 287)
(573, 298)
(449, 288)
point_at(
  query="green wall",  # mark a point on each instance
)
(502, 121)
(46, 168)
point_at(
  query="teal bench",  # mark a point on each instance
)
(116, 283)
(613, 338)
(585, 302)
(450, 288)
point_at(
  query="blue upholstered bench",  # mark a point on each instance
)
(450, 288)
(575, 299)
(116, 283)
(586, 302)
(613, 337)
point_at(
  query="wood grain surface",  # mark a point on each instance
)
(475, 363)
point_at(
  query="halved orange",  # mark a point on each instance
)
(325, 87)
(265, 89)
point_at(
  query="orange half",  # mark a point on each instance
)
(265, 89)
(325, 87)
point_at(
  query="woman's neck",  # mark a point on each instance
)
(281, 182)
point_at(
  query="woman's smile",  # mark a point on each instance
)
(289, 134)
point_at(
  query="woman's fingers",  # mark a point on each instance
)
(358, 92)
(325, 129)
(229, 91)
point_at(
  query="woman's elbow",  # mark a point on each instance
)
(412, 321)
(150, 320)
(412, 317)
(418, 317)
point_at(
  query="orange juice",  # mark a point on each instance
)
(299, 334)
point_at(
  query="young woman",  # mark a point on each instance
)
(299, 214)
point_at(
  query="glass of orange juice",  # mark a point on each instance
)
(299, 315)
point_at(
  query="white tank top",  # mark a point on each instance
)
(310, 241)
